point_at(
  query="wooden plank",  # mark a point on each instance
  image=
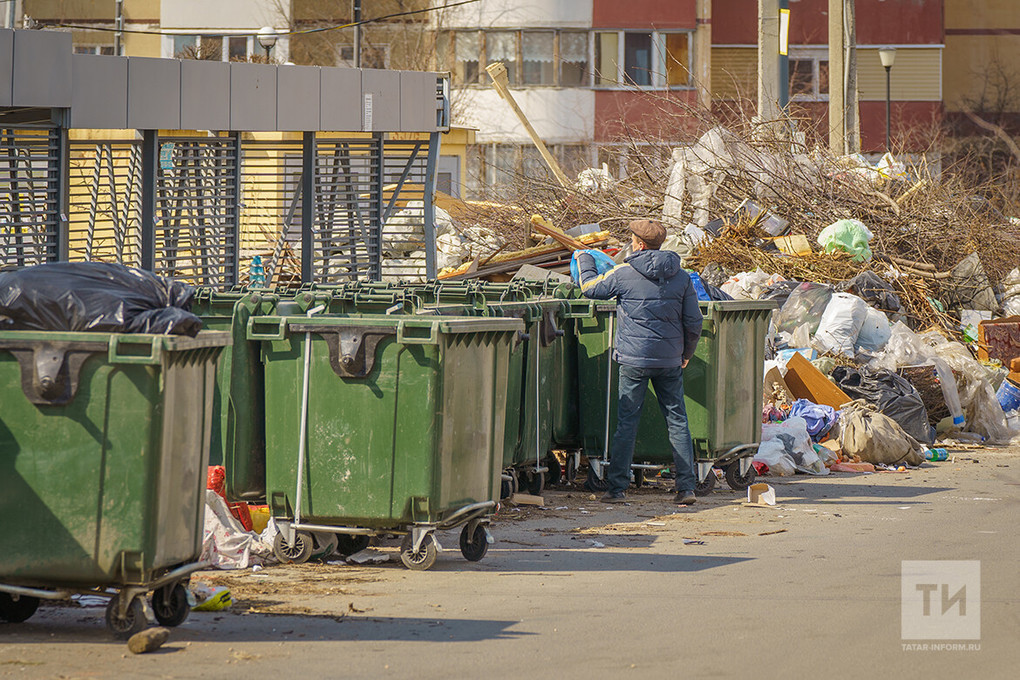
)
(546, 227)
(807, 382)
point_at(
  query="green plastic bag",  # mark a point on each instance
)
(849, 236)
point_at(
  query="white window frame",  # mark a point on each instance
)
(281, 51)
(658, 68)
(814, 55)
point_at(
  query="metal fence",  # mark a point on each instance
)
(30, 191)
(221, 201)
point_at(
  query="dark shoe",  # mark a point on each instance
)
(686, 498)
(614, 497)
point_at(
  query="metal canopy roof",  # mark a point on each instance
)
(38, 70)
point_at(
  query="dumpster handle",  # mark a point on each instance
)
(303, 430)
(155, 344)
(609, 387)
(279, 326)
(586, 307)
(405, 336)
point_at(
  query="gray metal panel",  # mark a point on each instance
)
(417, 101)
(154, 93)
(297, 98)
(384, 87)
(252, 96)
(340, 99)
(6, 74)
(205, 95)
(99, 88)
(42, 68)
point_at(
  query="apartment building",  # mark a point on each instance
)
(594, 77)
(913, 27)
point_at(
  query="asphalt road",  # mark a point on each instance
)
(809, 588)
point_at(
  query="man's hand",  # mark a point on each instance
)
(684, 364)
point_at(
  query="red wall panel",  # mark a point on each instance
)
(643, 13)
(626, 114)
(735, 22)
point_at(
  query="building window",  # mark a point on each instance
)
(537, 65)
(573, 58)
(542, 58)
(637, 58)
(607, 53)
(237, 48)
(809, 75)
(643, 59)
(93, 49)
(185, 44)
(502, 46)
(467, 47)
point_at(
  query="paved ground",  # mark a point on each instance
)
(809, 588)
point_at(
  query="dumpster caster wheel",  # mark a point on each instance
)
(639, 478)
(170, 605)
(17, 610)
(534, 482)
(423, 558)
(478, 545)
(132, 622)
(297, 553)
(555, 471)
(593, 483)
(348, 544)
(737, 481)
(704, 488)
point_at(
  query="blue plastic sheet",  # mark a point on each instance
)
(603, 263)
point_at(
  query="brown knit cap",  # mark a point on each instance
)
(649, 231)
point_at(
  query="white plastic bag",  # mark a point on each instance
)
(786, 448)
(841, 324)
(749, 285)
(875, 331)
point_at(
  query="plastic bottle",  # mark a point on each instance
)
(936, 454)
(256, 273)
(949, 392)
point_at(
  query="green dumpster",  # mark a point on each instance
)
(392, 424)
(238, 434)
(722, 387)
(541, 407)
(104, 445)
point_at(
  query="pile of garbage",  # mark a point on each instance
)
(898, 287)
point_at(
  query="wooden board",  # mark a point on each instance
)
(807, 382)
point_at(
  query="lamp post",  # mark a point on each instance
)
(888, 56)
(267, 38)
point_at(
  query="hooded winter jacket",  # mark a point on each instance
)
(658, 318)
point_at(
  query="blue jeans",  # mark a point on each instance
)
(669, 388)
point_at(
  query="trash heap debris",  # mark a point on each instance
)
(898, 286)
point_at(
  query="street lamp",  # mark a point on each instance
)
(267, 38)
(888, 56)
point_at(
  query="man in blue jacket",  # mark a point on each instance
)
(659, 323)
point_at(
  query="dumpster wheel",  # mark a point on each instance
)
(297, 553)
(424, 557)
(534, 482)
(703, 488)
(348, 544)
(17, 608)
(737, 481)
(170, 605)
(132, 622)
(474, 541)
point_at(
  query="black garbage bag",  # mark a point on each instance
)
(873, 289)
(717, 294)
(891, 394)
(95, 296)
(779, 291)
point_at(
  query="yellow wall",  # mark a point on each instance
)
(982, 14)
(916, 75)
(48, 10)
(142, 45)
(735, 72)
